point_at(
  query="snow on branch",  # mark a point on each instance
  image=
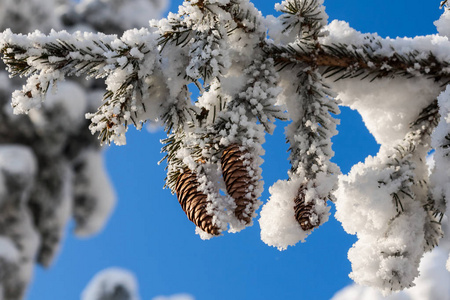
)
(386, 202)
(45, 60)
(249, 71)
(112, 284)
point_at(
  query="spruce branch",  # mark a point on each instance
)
(309, 134)
(48, 59)
(245, 17)
(437, 205)
(309, 137)
(397, 238)
(79, 54)
(341, 61)
(179, 35)
(402, 162)
(214, 143)
(258, 96)
(179, 112)
(306, 17)
(316, 125)
(171, 146)
(414, 192)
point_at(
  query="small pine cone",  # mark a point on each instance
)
(194, 202)
(237, 181)
(304, 211)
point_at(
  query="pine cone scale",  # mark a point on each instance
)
(194, 202)
(304, 211)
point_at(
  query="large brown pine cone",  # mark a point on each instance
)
(304, 211)
(237, 180)
(194, 202)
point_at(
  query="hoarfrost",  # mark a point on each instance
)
(387, 105)
(389, 201)
(431, 284)
(440, 174)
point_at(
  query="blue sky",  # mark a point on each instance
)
(149, 234)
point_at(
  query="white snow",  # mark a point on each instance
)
(440, 174)
(59, 118)
(18, 161)
(23, 16)
(387, 105)
(443, 24)
(383, 200)
(107, 281)
(8, 250)
(72, 97)
(432, 284)
(99, 188)
(391, 235)
(279, 228)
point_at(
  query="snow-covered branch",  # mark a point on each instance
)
(249, 71)
(51, 167)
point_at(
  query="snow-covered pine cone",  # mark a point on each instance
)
(304, 212)
(237, 180)
(194, 202)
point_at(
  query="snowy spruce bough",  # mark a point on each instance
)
(51, 166)
(251, 70)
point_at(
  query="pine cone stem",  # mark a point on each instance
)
(194, 202)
